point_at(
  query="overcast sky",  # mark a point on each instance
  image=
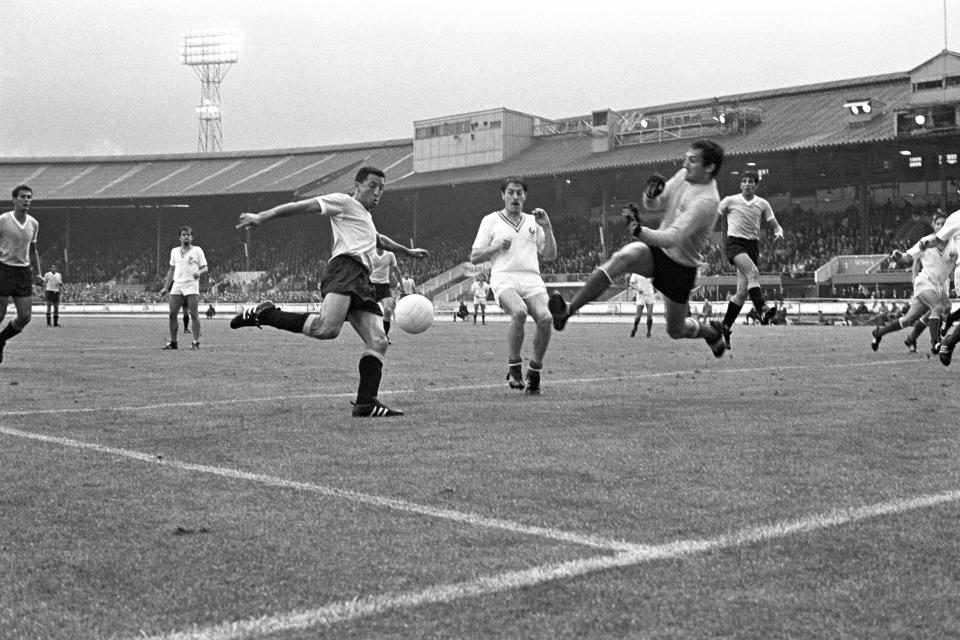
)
(103, 77)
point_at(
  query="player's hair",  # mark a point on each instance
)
(939, 214)
(514, 180)
(632, 206)
(750, 174)
(363, 172)
(21, 187)
(711, 152)
(185, 228)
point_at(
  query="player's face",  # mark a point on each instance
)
(513, 197)
(938, 223)
(23, 199)
(748, 187)
(370, 191)
(697, 171)
(186, 237)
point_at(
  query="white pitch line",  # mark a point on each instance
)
(404, 506)
(454, 389)
(489, 585)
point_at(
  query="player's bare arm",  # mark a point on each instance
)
(251, 220)
(384, 242)
(550, 244)
(482, 254)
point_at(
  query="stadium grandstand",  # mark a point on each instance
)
(853, 169)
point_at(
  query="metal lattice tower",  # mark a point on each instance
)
(210, 52)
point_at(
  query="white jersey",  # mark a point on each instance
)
(380, 274)
(744, 216)
(16, 238)
(528, 240)
(354, 233)
(52, 281)
(187, 263)
(479, 290)
(641, 284)
(935, 266)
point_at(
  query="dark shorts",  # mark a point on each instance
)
(16, 281)
(382, 290)
(53, 297)
(735, 246)
(348, 277)
(672, 279)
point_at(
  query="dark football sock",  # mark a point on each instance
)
(371, 371)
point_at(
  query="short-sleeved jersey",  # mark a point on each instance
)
(689, 213)
(479, 290)
(935, 265)
(951, 226)
(380, 274)
(186, 263)
(354, 233)
(16, 238)
(528, 240)
(408, 285)
(52, 281)
(744, 216)
(641, 284)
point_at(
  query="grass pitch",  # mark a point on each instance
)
(803, 486)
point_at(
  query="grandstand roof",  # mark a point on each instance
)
(793, 118)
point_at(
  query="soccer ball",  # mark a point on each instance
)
(414, 313)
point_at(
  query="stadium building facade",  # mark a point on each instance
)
(850, 148)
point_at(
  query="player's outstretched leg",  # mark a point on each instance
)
(250, 317)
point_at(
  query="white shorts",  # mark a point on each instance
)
(191, 288)
(525, 284)
(646, 298)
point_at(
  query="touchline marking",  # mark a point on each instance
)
(468, 387)
(405, 506)
(488, 585)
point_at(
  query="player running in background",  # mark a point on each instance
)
(385, 267)
(932, 267)
(348, 294)
(745, 211)
(187, 264)
(513, 241)
(669, 255)
(645, 297)
(480, 289)
(18, 253)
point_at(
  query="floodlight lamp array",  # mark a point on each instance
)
(220, 46)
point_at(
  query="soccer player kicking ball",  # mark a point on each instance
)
(670, 254)
(348, 294)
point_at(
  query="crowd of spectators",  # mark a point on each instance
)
(115, 268)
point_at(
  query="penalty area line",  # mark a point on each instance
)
(394, 504)
(511, 580)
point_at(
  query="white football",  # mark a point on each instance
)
(414, 313)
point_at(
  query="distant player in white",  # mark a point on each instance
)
(932, 267)
(645, 297)
(407, 286)
(479, 289)
(187, 264)
(385, 267)
(745, 211)
(513, 241)
(52, 283)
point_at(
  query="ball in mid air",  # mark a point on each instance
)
(414, 313)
